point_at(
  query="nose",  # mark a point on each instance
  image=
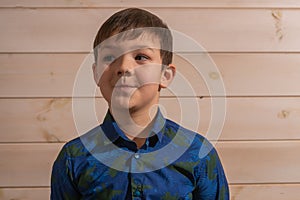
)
(125, 66)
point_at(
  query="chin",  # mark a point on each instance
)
(120, 103)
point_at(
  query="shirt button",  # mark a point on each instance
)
(137, 156)
(137, 193)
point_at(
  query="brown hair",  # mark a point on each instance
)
(134, 18)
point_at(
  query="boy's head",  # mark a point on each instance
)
(133, 55)
(136, 19)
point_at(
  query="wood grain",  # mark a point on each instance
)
(26, 164)
(24, 193)
(266, 191)
(52, 30)
(237, 192)
(155, 3)
(254, 44)
(29, 165)
(54, 75)
(52, 120)
(261, 162)
(246, 118)
(44, 120)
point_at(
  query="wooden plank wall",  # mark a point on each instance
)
(255, 45)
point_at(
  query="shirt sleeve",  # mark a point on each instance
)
(62, 185)
(211, 180)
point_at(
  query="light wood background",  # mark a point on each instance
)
(255, 44)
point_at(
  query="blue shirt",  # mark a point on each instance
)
(174, 163)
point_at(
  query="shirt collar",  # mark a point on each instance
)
(113, 132)
(159, 125)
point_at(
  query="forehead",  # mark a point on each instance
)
(130, 42)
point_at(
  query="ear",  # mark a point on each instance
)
(96, 74)
(167, 76)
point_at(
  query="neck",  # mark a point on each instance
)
(143, 117)
(136, 124)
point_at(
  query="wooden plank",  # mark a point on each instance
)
(246, 118)
(29, 165)
(52, 120)
(221, 30)
(266, 191)
(259, 74)
(54, 75)
(44, 120)
(38, 74)
(261, 162)
(154, 3)
(24, 193)
(242, 74)
(262, 119)
(237, 192)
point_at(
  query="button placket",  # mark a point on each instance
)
(137, 187)
(138, 162)
(138, 192)
(137, 156)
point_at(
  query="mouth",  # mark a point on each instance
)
(124, 88)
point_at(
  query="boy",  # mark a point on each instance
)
(136, 153)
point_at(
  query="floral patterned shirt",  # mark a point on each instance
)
(174, 163)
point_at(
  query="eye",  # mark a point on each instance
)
(142, 57)
(108, 59)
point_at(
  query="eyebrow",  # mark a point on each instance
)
(107, 47)
(135, 47)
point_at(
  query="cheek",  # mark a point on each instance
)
(106, 76)
(148, 74)
(105, 83)
(103, 80)
(98, 72)
(147, 91)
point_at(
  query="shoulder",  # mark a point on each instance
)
(172, 129)
(196, 142)
(78, 147)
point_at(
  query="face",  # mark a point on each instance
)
(129, 72)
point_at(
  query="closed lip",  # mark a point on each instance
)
(126, 86)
